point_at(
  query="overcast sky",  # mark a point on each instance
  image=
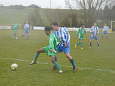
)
(42, 3)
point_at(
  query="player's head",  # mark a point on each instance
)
(48, 30)
(55, 26)
(95, 24)
(82, 25)
(105, 24)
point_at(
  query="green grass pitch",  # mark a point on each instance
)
(96, 65)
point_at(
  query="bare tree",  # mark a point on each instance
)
(92, 8)
(68, 4)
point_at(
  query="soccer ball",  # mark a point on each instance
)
(14, 67)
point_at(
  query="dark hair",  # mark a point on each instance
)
(48, 28)
(82, 24)
(55, 24)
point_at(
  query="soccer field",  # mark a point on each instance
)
(96, 65)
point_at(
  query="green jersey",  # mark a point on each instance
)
(53, 42)
(15, 27)
(80, 33)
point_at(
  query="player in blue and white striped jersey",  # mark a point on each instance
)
(63, 36)
(94, 34)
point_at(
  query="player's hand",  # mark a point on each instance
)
(65, 44)
(52, 50)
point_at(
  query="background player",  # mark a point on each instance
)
(105, 31)
(14, 29)
(80, 36)
(94, 34)
(26, 30)
(50, 50)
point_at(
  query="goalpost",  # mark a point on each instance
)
(113, 26)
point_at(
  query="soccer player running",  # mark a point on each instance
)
(80, 36)
(94, 35)
(50, 50)
(64, 46)
(105, 31)
(14, 29)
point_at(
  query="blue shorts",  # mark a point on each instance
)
(62, 48)
(26, 30)
(93, 37)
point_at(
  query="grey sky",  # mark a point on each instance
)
(42, 3)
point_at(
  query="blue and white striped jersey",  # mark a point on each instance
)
(63, 35)
(94, 30)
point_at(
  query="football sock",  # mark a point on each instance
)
(73, 62)
(57, 66)
(78, 43)
(90, 44)
(98, 44)
(35, 57)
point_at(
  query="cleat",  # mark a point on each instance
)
(75, 69)
(60, 71)
(33, 63)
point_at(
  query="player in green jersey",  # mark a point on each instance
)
(80, 36)
(14, 29)
(50, 50)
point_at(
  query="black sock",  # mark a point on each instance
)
(98, 44)
(90, 44)
(73, 62)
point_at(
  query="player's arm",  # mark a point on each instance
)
(51, 44)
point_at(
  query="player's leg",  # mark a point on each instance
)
(70, 58)
(98, 44)
(56, 66)
(78, 42)
(97, 40)
(72, 61)
(90, 40)
(34, 58)
(67, 54)
(81, 44)
(90, 43)
(15, 35)
(27, 35)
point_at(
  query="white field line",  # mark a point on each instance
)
(80, 68)
(21, 60)
(96, 69)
